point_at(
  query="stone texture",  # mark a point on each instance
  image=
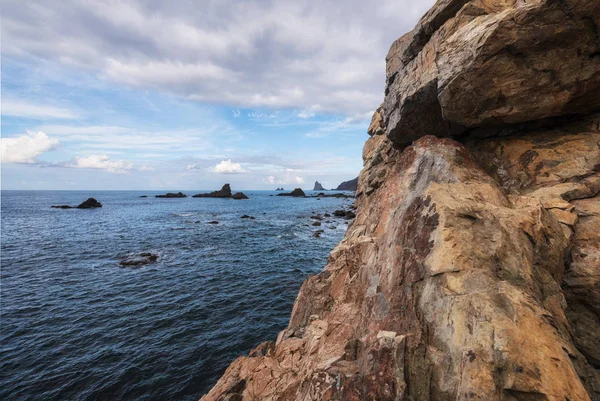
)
(472, 268)
(488, 62)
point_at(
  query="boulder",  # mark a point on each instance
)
(213, 222)
(543, 64)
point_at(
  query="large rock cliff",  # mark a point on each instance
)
(472, 270)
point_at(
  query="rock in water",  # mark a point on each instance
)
(143, 258)
(472, 268)
(318, 186)
(90, 203)
(348, 185)
(172, 195)
(239, 195)
(224, 192)
(298, 192)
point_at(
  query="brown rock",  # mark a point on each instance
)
(481, 63)
(471, 270)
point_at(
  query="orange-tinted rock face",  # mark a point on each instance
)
(472, 269)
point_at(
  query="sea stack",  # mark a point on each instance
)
(472, 268)
(318, 186)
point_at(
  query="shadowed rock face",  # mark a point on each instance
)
(348, 185)
(488, 62)
(472, 268)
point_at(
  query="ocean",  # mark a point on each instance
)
(75, 325)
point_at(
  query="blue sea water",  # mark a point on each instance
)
(74, 325)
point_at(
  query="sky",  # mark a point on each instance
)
(149, 94)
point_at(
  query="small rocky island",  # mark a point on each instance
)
(172, 195)
(224, 192)
(90, 203)
(297, 193)
(318, 187)
(280, 189)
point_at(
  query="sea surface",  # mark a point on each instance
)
(74, 325)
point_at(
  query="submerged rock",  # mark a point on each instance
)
(172, 195)
(298, 192)
(224, 192)
(141, 259)
(213, 222)
(248, 217)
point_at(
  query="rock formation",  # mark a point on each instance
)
(318, 186)
(172, 195)
(224, 192)
(298, 193)
(90, 203)
(472, 268)
(239, 195)
(348, 185)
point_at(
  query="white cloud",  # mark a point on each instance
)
(236, 113)
(101, 162)
(19, 108)
(242, 53)
(145, 167)
(228, 167)
(26, 148)
(299, 180)
(271, 179)
(192, 166)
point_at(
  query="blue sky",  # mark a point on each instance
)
(138, 95)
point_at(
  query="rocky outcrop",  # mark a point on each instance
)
(90, 203)
(348, 185)
(224, 192)
(318, 186)
(172, 195)
(298, 193)
(482, 63)
(472, 268)
(239, 196)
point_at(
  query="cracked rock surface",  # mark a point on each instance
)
(472, 269)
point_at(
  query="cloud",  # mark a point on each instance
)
(271, 179)
(24, 109)
(26, 148)
(236, 113)
(299, 180)
(101, 162)
(241, 53)
(227, 167)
